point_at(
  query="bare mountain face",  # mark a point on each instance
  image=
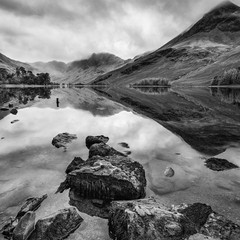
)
(80, 71)
(194, 57)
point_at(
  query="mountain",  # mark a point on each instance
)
(194, 57)
(10, 65)
(80, 71)
(54, 68)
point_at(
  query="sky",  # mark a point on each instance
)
(67, 30)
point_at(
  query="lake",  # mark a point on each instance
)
(177, 128)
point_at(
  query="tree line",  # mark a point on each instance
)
(23, 76)
(229, 77)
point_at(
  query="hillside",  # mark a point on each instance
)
(194, 57)
(81, 71)
(10, 65)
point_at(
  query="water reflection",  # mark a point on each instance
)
(152, 90)
(227, 95)
(23, 95)
(31, 166)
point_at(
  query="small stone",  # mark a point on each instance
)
(169, 172)
(90, 140)
(14, 121)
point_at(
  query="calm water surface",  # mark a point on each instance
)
(31, 166)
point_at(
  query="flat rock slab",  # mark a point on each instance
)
(90, 140)
(62, 139)
(57, 226)
(219, 164)
(149, 219)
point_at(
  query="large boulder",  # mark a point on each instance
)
(58, 226)
(25, 226)
(90, 140)
(62, 139)
(107, 178)
(149, 219)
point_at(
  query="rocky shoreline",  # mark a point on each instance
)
(111, 185)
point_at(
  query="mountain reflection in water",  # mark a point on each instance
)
(227, 95)
(31, 166)
(152, 90)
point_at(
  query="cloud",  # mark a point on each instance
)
(68, 30)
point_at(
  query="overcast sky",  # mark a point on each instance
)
(66, 30)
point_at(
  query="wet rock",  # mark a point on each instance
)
(62, 139)
(31, 204)
(7, 230)
(107, 178)
(103, 150)
(169, 172)
(58, 226)
(14, 111)
(14, 121)
(147, 219)
(92, 207)
(74, 164)
(90, 140)
(219, 227)
(10, 105)
(124, 145)
(25, 226)
(219, 164)
(198, 213)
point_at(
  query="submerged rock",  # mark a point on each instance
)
(62, 139)
(219, 164)
(90, 140)
(58, 226)
(74, 164)
(14, 111)
(25, 226)
(124, 145)
(14, 121)
(103, 150)
(148, 219)
(169, 172)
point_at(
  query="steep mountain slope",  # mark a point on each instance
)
(10, 65)
(207, 48)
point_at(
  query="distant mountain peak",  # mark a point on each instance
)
(217, 24)
(225, 6)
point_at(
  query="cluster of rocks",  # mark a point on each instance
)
(56, 226)
(111, 185)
